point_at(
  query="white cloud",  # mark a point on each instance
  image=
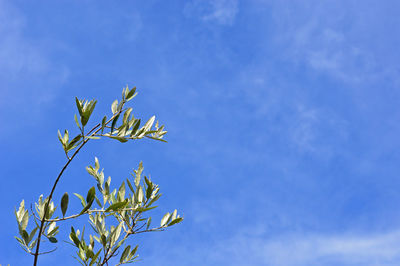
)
(327, 39)
(378, 249)
(17, 55)
(220, 11)
(25, 64)
(253, 246)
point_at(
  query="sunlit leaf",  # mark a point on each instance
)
(83, 202)
(116, 206)
(165, 219)
(175, 221)
(121, 139)
(114, 106)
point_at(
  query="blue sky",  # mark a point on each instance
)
(282, 118)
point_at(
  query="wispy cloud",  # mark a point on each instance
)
(219, 11)
(25, 63)
(375, 249)
(332, 38)
(253, 247)
(17, 55)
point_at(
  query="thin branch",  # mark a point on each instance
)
(56, 182)
(158, 229)
(46, 252)
(87, 212)
(107, 258)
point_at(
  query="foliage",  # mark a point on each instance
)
(119, 213)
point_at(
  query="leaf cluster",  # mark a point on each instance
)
(113, 214)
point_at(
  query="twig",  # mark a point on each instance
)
(36, 254)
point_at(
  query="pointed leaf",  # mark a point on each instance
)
(130, 185)
(53, 239)
(64, 203)
(116, 206)
(79, 106)
(135, 127)
(131, 94)
(149, 123)
(83, 202)
(76, 121)
(90, 195)
(114, 106)
(125, 254)
(126, 115)
(165, 219)
(121, 139)
(113, 124)
(175, 221)
(103, 123)
(148, 223)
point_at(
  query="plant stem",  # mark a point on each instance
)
(43, 220)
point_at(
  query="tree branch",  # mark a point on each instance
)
(36, 254)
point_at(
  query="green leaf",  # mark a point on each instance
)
(79, 106)
(21, 242)
(113, 124)
(125, 92)
(83, 202)
(91, 108)
(64, 203)
(121, 191)
(24, 220)
(175, 221)
(25, 236)
(162, 140)
(66, 137)
(92, 137)
(98, 201)
(107, 186)
(130, 185)
(149, 123)
(60, 138)
(95, 257)
(52, 229)
(125, 254)
(87, 207)
(121, 139)
(141, 209)
(53, 239)
(149, 189)
(126, 115)
(135, 127)
(103, 240)
(103, 123)
(90, 195)
(76, 121)
(114, 106)
(131, 94)
(75, 140)
(140, 195)
(21, 210)
(33, 243)
(148, 223)
(87, 112)
(116, 206)
(133, 252)
(32, 234)
(165, 219)
(73, 237)
(138, 173)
